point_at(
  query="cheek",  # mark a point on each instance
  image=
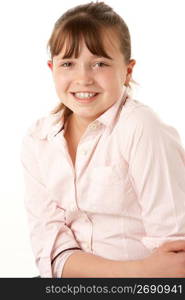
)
(105, 79)
(112, 81)
(61, 82)
(113, 76)
(59, 78)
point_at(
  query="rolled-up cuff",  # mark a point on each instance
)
(59, 262)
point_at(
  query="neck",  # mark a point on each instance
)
(78, 124)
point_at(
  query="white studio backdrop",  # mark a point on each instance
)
(27, 92)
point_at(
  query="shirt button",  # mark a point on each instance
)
(94, 125)
(84, 152)
(87, 246)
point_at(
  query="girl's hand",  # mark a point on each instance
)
(166, 261)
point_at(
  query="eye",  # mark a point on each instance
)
(101, 64)
(66, 64)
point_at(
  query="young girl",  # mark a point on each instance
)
(104, 176)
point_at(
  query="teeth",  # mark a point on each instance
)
(84, 95)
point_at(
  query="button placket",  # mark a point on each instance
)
(87, 243)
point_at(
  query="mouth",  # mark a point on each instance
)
(85, 99)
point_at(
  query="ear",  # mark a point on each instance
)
(129, 70)
(50, 64)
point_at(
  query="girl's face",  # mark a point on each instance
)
(91, 74)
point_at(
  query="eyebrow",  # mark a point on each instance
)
(91, 56)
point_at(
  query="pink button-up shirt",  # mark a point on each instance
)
(124, 197)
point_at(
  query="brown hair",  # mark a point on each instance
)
(90, 22)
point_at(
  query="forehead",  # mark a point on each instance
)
(109, 39)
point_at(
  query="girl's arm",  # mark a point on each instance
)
(50, 236)
(156, 161)
(163, 262)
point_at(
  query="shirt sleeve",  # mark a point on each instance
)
(51, 239)
(157, 170)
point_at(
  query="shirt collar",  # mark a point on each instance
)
(54, 123)
(109, 116)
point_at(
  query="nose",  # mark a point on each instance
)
(84, 75)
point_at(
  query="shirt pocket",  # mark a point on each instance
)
(106, 175)
(108, 189)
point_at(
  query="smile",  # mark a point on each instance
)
(85, 97)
